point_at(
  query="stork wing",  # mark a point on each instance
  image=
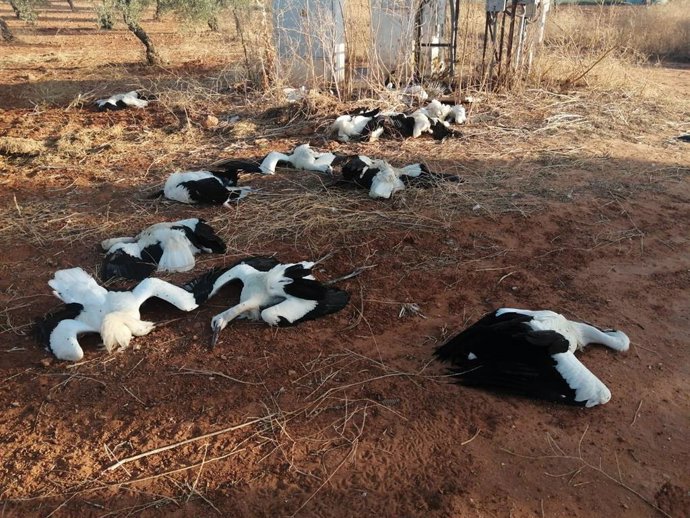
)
(232, 166)
(204, 238)
(502, 352)
(128, 262)
(259, 262)
(295, 310)
(589, 390)
(207, 190)
(384, 186)
(75, 285)
(177, 253)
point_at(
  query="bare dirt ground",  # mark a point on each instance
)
(575, 201)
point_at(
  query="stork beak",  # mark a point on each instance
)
(214, 338)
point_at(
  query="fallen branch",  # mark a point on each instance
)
(182, 443)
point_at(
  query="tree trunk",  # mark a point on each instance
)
(71, 4)
(15, 8)
(159, 10)
(152, 56)
(213, 23)
(5, 31)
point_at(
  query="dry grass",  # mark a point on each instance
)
(21, 146)
(634, 32)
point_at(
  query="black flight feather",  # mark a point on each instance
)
(120, 264)
(503, 353)
(207, 190)
(332, 301)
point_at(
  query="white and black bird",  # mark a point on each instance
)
(530, 353)
(445, 111)
(121, 101)
(216, 185)
(361, 124)
(383, 180)
(302, 157)
(279, 294)
(163, 247)
(90, 308)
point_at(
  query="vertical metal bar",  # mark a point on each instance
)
(499, 58)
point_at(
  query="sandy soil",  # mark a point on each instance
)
(590, 220)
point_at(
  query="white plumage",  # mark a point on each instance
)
(531, 353)
(165, 247)
(194, 187)
(121, 101)
(278, 294)
(90, 308)
(302, 157)
(349, 126)
(383, 180)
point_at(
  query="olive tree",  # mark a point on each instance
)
(189, 11)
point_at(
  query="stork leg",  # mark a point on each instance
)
(221, 320)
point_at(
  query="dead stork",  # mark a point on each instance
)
(302, 157)
(165, 247)
(383, 180)
(358, 125)
(279, 294)
(121, 101)
(390, 124)
(445, 111)
(90, 308)
(216, 185)
(530, 353)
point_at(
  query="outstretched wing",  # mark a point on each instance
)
(504, 353)
(75, 285)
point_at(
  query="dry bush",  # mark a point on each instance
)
(21, 146)
(634, 32)
(599, 46)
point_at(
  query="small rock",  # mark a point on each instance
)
(292, 373)
(210, 121)
(15, 404)
(46, 362)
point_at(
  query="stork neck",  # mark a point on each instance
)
(614, 339)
